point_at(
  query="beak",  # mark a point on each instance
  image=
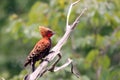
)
(53, 33)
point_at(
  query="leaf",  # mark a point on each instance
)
(114, 75)
(99, 40)
(117, 35)
(104, 61)
(104, 74)
(38, 14)
(91, 57)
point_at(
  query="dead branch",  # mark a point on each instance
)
(69, 61)
(42, 68)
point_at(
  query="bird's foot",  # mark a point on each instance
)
(45, 59)
(51, 52)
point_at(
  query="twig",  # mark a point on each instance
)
(75, 71)
(77, 19)
(52, 67)
(68, 15)
(69, 61)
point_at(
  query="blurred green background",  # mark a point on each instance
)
(94, 45)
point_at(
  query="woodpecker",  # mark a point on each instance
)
(41, 49)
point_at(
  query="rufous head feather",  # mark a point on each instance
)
(46, 32)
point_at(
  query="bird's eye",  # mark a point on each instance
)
(49, 34)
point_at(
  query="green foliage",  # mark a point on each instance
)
(114, 75)
(92, 55)
(94, 45)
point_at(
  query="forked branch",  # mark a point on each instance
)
(42, 68)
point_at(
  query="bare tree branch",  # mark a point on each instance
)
(75, 71)
(69, 61)
(42, 68)
(52, 67)
(70, 8)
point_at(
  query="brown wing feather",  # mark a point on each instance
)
(40, 50)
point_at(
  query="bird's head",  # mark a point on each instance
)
(46, 32)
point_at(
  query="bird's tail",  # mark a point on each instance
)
(26, 63)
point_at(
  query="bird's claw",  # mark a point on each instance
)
(45, 59)
(51, 51)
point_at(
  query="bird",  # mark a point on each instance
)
(41, 48)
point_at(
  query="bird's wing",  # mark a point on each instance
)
(39, 48)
